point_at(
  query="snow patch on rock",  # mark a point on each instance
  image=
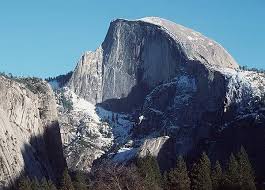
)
(89, 131)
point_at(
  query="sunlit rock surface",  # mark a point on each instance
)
(169, 80)
(30, 140)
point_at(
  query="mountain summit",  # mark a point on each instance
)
(153, 81)
(152, 86)
(148, 51)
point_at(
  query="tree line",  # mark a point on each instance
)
(246, 68)
(61, 79)
(144, 174)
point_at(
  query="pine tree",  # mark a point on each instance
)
(217, 176)
(178, 179)
(66, 183)
(232, 175)
(35, 184)
(201, 174)
(246, 174)
(47, 185)
(80, 181)
(24, 184)
(165, 182)
(43, 184)
(51, 185)
(149, 170)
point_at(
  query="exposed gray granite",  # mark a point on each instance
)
(30, 140)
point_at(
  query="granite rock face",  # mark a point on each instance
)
(154, 144)
(139, 55)
(152, 86)
(30, 137)
(87, 77)
(178, 82)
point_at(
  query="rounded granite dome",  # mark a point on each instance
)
(147, 51)
(195, 45)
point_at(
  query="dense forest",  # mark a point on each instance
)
(144, 174)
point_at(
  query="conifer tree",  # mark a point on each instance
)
(35, 184)
(239, 174)
(43, 184)
(201, 174)
(24, 184)
(177, 178)
(217, 176)
(246, 174)
(47, 185)
(51, 185)
(80, 181)
(149, 169)
(66, 182)
(232, 175)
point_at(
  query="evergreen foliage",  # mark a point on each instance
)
(51, 186)
(201, 174)
(61, 79)
(66, 182)
(178, 178)
(24, 184)
(79, 181)
(47, 185)
(35, 184)
(232, 175)
(246, 175)
(246, 68)
(149, 169)
(217, 176)
(238, 175)
(67, 104)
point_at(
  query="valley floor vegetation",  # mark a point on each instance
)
(144, 174)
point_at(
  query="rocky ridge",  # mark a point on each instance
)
(170, 81)
(153, 86)
(29, 133)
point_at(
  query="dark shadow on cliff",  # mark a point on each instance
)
(167, 156)
(43, 156)
(134, 100)
(248, 131)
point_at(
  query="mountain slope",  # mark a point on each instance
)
(140, 54)
(30, 137)
(170, 81)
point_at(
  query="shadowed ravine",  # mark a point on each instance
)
(48, 162)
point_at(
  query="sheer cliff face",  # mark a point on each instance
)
(29, 133)
(87, 78)
(156, 64)
(178, 82)
(143, 53)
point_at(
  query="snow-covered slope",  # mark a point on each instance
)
(244, 88)
(168, 79)
(88, 131)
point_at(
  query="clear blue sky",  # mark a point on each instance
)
(46, 37)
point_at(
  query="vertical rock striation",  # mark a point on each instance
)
(141, 54)
(30, 140)
(179, 82)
